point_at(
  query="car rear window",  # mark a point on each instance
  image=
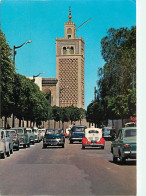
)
(93, 131)
(11, 133)
(19, 131)
(54, 132)
(28, 131)
(79, 129)
(130, 133)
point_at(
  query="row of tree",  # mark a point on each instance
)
(21, 97)
(116, 95)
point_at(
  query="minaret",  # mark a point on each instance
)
(70, 67)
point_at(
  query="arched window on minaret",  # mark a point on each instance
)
(71, 50)
(64, 50)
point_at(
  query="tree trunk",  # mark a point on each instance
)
(19, 122)
(5, 122)
(13, 120)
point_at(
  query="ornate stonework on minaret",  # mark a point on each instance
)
(70, 67)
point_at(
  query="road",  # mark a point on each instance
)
(68, 171)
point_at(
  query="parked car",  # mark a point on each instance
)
(66, 132)
(76, 133)
(12, 134)
(124, 146)
(23, 137)
(54, 137)
(108, 133)
(37, 134)
(93, 138)
(42, 132)
(31, 136)
(6, 144)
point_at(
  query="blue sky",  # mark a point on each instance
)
(43, 20)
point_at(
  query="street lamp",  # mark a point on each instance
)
(14, 53)
(37, 75)
(16, 47)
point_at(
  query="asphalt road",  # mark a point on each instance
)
(68, 171)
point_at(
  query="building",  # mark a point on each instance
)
(48, 86)
(68, 87)
(70, 67)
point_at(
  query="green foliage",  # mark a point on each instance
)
(7, 71)
(117, 78)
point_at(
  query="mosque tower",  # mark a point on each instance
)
(70, 67)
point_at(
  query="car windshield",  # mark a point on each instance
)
(11, 133)
(28, 131)
(19, 131)
(93, 131)
(53, 132)
(79, 129)
(130, 133)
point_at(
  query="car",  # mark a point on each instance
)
(54, 137)
(6, 144)
(42, 132)
(93, 138)
(67, 132)
(23, 136)
(124, 146)
(12, 134)
(108, 133)
(37, 134)
(76, 133)
(31, 136)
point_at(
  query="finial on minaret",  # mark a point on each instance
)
(69, 13)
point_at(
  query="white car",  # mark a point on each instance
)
(93, 138)
(42, 132)
(6, 144)
(37, 134)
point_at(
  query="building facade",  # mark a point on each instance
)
(70, 67)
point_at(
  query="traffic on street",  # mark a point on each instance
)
(45, 168)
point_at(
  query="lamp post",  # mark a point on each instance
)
(14, 54)
(37, 75)
(16, 47)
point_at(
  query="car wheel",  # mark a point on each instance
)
(83, 147)
(44, 146)
(24, 145)
(8, 153)
(11, 151)
(115, 159)
(62, 145)
(71, 142)
(102, 147)
(18, 148)
(2, 155)
(122, 159)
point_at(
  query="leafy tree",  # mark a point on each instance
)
(7, 71)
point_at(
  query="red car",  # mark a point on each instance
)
(93, 138)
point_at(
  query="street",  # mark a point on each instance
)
(66, 171)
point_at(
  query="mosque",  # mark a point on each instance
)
(68, 87)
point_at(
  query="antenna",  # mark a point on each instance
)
(83, 23)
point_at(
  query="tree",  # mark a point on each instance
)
(6, 77)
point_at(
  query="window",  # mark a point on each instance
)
(71, 50)
(69, 36)
(64, 50)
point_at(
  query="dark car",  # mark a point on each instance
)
(108, 133)
(77, 133)
(54, 137)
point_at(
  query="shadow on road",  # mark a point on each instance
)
(126, 163)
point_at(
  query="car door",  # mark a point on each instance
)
(2, 141)
(117, 143)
